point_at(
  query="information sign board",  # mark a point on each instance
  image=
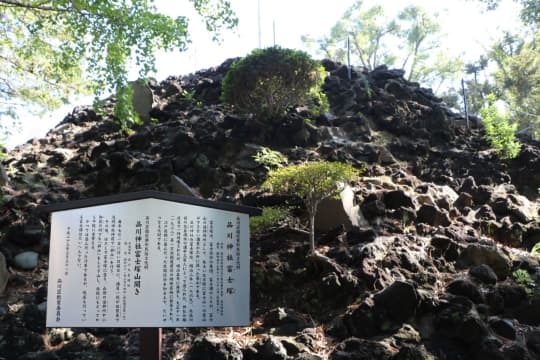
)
(148, 262)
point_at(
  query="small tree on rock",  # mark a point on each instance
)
(312, 182)
(499, 132)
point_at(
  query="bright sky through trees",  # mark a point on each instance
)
(468, 31)
(467, 28)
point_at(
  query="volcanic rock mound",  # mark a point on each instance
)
(427, 274)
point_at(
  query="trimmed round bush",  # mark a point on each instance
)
(268, 81)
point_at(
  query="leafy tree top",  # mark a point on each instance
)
(517, 76)
(530, 10)
(411, 40)
(311, 181)
(268, 81)
(50, 50)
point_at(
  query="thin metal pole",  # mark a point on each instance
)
(150, 343)
(349, 58)
(274, 30)
(465, 103)
(259, 20)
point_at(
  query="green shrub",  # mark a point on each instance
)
(268, 81)
(271, 216)
(500, 133)
(536, 249)
(269, 158)
(523, 279)
(312, 182)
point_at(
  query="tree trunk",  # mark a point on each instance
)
(312, 231)
(312, 205)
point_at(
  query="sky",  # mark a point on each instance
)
(468, 31)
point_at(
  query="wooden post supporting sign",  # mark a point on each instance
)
(150, 343)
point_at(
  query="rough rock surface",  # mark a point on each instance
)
(4, 275)
(427, 274)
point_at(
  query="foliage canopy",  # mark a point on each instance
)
(530, 10)
(410, 41)
(50, 50)
(515, 65)
(271, 216)
(268, 81)
(500, 133)
(518, 76)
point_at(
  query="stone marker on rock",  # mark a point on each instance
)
(334, 212)
(180, 187)
(143, 99)
(330, 214)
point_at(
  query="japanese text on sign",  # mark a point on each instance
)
(148, 263)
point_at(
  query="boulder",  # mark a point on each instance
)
(533, 343)
(485, 212)
(509, 234)
(464, 200)
(472, 329)
(476, 254)
(503, 327)
(212, 347)
(465, 288)
(484, 273)
(27, 260)
(513, 295)
(373, 206)
(433, 216)
(359, 235)
(272, 349)
(532, 236)
(364, 321)
(286, 322)
(447, 247)
(468, 185)
(383, 73)
(33, 318)
(396, 199)
(529, 312)
(360, 349)
(400, 301)
(409, 352)
(482, 194)
(78, 346)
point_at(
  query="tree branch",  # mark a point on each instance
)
(15, 3)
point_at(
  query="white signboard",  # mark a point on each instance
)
(148, 263)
